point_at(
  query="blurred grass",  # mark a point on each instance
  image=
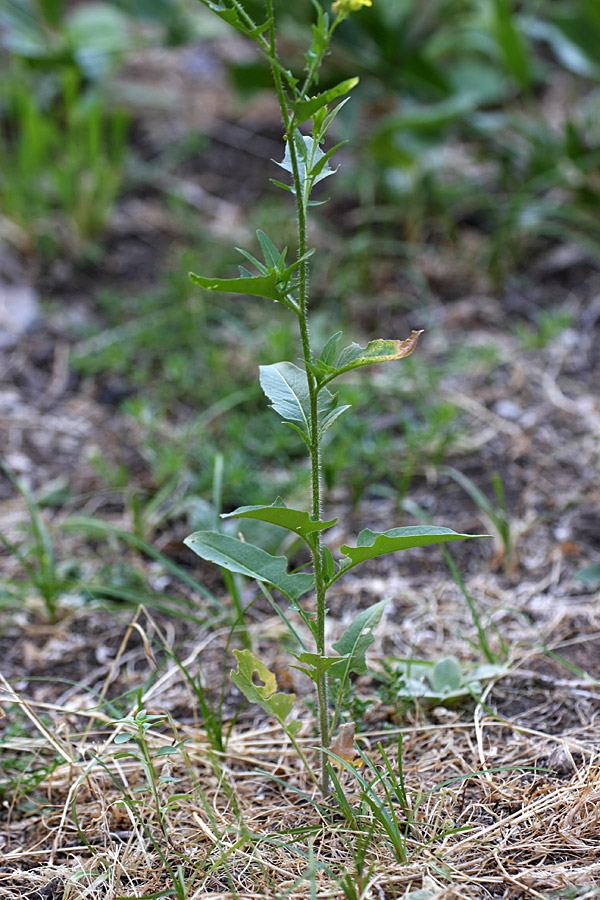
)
(473, 136)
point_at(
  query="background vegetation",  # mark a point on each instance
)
(136, 140)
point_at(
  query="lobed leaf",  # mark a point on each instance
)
(247, 559)
(371, 544)
(296, 520)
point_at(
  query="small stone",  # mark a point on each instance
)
(19, 310)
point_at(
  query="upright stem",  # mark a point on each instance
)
(315, 448)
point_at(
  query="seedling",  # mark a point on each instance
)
(301, 395)
(435, 683)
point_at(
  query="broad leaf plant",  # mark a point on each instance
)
(301, 394)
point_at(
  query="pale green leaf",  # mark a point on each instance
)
(312, 162)
(446, 675)
(286, 386)
(246, 559)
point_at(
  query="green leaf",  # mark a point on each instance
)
(590, 575)
(356, 640)
(331, 418)
(279, 704)
(167, 751)
(232, 18)
(318, 664)
(257, 286)
(255, 262)
(512, 43)
(328, 564)
(270, 251)
(371, 544)
(246, 559)
(305, 109)
(286, 386)
(329, 351)
(296, 520)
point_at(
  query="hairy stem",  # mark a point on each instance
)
(315, 446)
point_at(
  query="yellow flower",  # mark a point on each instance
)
(345, 7)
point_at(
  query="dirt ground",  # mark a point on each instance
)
(509, 787)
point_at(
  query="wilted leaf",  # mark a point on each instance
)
(246, 559)
(376, 352)
(343, 744)
(296, 520)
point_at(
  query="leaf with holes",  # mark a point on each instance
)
(275, 703)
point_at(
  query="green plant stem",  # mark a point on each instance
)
(316, 63)
(302, 313)
(151, 774)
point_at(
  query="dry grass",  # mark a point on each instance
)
(498, 808)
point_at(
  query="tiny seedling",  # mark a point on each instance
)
(301, 395)
(435, 683)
